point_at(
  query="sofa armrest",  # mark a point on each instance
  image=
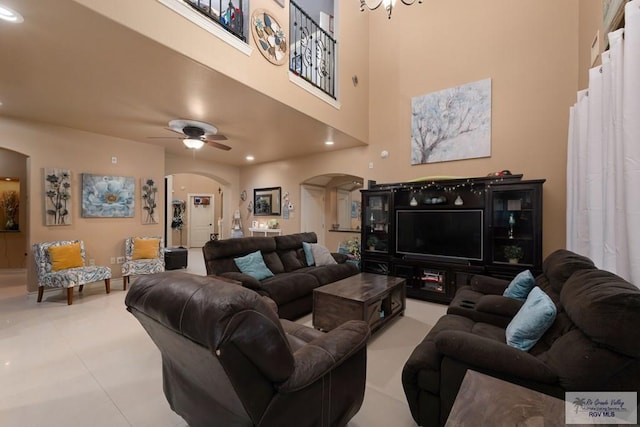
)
(488, 285)
(324, 353)
(499, 305)
(340, 258)
(246, 280)
(488, 354)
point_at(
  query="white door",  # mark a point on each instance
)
(201, 218)
(312, 211)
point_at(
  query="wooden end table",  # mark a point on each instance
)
(374, 298)
(489, 401)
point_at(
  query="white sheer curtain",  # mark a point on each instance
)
(603, 167)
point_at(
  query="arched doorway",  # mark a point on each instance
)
(192, 199)
(338, 218)
(13, 210)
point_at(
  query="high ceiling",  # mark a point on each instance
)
(67, 65)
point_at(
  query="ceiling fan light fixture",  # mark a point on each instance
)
(10, 15)
(194, 144)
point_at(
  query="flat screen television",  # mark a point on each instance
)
(453, 234)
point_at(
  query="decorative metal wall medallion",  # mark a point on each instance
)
(269, 37)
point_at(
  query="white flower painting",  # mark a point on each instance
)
(452, 124)
(107, 196)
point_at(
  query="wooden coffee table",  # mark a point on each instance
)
(374, 298)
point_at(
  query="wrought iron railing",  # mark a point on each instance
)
(231, 18)
(313, 51)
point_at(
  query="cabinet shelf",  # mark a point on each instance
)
(499, 199)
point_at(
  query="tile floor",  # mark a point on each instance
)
(92, 364)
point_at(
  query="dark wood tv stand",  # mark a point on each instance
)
(512, 217)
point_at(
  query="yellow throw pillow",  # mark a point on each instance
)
(65, 256)
(145, 248)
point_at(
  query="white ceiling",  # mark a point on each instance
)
(67, 65)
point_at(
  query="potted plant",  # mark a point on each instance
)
(371, 242)
(513, 253)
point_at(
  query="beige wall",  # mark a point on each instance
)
(82, 152)
(528, 49)
(590, 24)
(152, 19)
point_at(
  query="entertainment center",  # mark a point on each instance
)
(438, 233)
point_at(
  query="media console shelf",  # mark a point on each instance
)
(438, 233)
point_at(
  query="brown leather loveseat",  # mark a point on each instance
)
(227, 360)
(592, 345)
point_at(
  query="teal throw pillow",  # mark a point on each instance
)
(308, 254)
(532, 320)
(520, 286)
(253, 265)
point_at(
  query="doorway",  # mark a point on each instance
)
(312, 211)
(201, 219)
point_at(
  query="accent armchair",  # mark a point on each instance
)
(227, 359)
(142, 255)
(62, 264)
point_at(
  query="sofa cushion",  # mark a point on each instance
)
(286, 287)
(606, 308)
(321, 255)
(558, 266)
(290, 250)
(253, 265)
(532, 320)
(520, 286)
(331, 273)
(219, 254)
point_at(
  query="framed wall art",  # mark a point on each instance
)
(266, 201)
(106, 196)
(149, 205)
(452, 124)
(57, 196)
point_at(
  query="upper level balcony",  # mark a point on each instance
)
(312, 47)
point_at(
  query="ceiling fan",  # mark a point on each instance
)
(196, 134)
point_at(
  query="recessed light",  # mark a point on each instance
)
(250, 158)
(328, 143)
(10, 15)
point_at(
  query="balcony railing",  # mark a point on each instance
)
(231, 18)
(312, 51)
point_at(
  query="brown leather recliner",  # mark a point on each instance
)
(227, 360)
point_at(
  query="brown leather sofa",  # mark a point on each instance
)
(592, 345)
(293, 282)
(482, 300)
(227, 360)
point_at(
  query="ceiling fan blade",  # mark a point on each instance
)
(218, 145)
(165, 137)
(176, 131)
(216, 137)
